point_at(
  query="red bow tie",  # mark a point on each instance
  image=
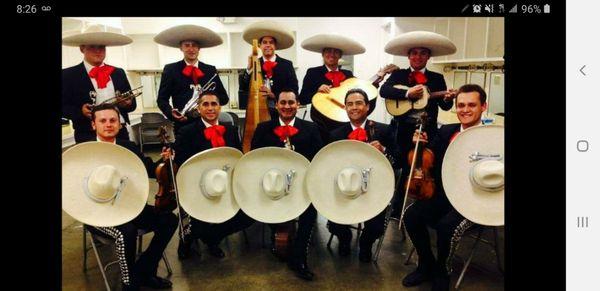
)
(101, 74)
(336, 77)
(416, 78)
(215, 135)
(193, 72)
(359, 134)
(267, 68)
(285, 131)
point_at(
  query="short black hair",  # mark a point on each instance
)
(335, 49)
(359, 91)
(261, 38)
(287, 90)
(412, 48)
(102, 107)
(468, 88)
(209, 92)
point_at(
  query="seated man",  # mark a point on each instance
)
(105, 121)
(379, 136)
(202, 134)
(305, 139)
(437, 212)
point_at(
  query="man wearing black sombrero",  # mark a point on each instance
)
(418, 46)
(278, 71)
(92, 81)
(179, 79)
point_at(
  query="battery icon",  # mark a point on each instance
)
(547, 8)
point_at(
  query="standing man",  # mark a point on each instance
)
(140, 272)
(277, 71)
(379, 136)
(329, 75)
(202, 134)
(437, 212)
(92, 81)
(305, 139)
(179, 79)
(418, 46)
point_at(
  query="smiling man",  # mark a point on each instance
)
(380, 137)
(305, 139)
(437, 212)
(179, 79)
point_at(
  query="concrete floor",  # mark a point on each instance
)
(252, 267)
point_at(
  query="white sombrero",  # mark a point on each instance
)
(437, 43)
(280, 32)
(268, 184)
(95, 35)
(473, 174)
(347, 45)
(204, 184)
(173, 36)
(350, 181)
(103, 184)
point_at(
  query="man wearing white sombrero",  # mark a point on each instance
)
(278, 71)
(178, 79)
(93, 81)
(438, 212)
(381, 137)
(203, 134)
(121, 215)
(418, 47)
(303, 137)
(329, 75)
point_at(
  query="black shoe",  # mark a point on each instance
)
(441, 282)
(302, 271)
(344, 248)
(156, 282)
(215, 251)
(417, 277)
(364, 255)
(130, 287)
(184, 250)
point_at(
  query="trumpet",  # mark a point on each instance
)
(193, 102)
(121, 97)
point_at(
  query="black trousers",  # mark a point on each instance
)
(162, 224)
(306, 222)
(213, 233)
(449, 225)
(374, 228)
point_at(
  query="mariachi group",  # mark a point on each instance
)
(216, 178)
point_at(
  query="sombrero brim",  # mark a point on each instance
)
(247, 179)
(480, 206)
(191, 198)
(347, 45)
(437, 43)
(172, 37)
(79, 161)
(324, 169)
(97, 38)
(283, 36)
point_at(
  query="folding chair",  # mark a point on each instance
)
(96, 240)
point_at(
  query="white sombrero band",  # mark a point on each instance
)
(282, 35)
(438, 44)
(103, 184)
(319, 42)
(172, 37)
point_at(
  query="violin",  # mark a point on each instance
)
(167, 197)
(420, 183)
